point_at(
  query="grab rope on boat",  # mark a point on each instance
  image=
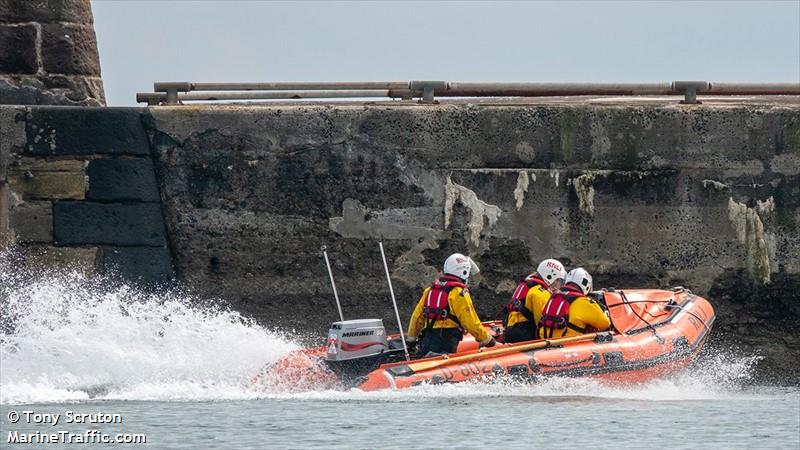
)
(658, 337)
(669, 302)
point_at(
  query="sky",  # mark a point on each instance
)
(141, 41)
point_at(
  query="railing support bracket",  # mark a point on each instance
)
(690, 90)
(428, 89)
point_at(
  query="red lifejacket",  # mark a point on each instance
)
(555, 315)
(517, 302)
(436, 306)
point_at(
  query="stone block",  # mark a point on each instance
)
(39, 179)
(51, 90)
(12, 135)
(56, 185)
(86, 131)
(70, 49)
(141, 265)
(77, 11)
(36, 165)
(32, 221)
(18, 44)
(45, 257)
(82, 260)
(123, 224)
(120, 179)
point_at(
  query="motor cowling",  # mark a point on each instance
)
(353, 339)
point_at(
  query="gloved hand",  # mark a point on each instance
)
(411, 344)
(491, 343)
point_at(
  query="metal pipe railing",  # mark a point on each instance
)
(554, 89)
(172, 93)
(269, 95)
(282, 86)
(754, 88)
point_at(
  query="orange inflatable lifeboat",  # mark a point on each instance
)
(655, 333)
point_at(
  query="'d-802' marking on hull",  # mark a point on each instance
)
(487, 368)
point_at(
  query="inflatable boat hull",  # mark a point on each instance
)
(656, 333)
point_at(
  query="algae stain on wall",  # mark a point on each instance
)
(600, 140)
(480, 211)
(525, 152)
(522, 187)
(790, 137)
(750, 233)
(584, 188)
(555, 175)
(566, 135)
(585, 192)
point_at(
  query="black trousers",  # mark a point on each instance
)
(519, 332)
(440, 340)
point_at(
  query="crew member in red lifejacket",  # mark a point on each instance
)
(529, 298)
(445, 311)
(570, 312)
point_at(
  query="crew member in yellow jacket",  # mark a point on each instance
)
(445, 310)
(528, 300)
(570, 312)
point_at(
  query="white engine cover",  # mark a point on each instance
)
(353, 339)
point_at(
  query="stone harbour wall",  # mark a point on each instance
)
(48, 53)
(640, 193)
(81, 193)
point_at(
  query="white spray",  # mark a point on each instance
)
(65, 337)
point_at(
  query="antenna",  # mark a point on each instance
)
(333, 284)
(394, 302)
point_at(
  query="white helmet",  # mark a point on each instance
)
(460, 266)
(581, 278)
(551, 270)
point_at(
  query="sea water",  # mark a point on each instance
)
(85, 361)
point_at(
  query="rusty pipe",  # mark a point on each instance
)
(280, 86)
(159, 97)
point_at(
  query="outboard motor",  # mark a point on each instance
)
(357, 347)
(355, 339)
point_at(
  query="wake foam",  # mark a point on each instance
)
(69, 338)
(716, 378)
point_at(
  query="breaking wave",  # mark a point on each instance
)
(69, 338)
(66, 337)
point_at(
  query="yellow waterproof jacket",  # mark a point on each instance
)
(460, 303)
(535, 300)
(583, 313)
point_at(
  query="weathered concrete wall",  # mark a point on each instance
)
(81, 192)
(642, 194)
(48, 53)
